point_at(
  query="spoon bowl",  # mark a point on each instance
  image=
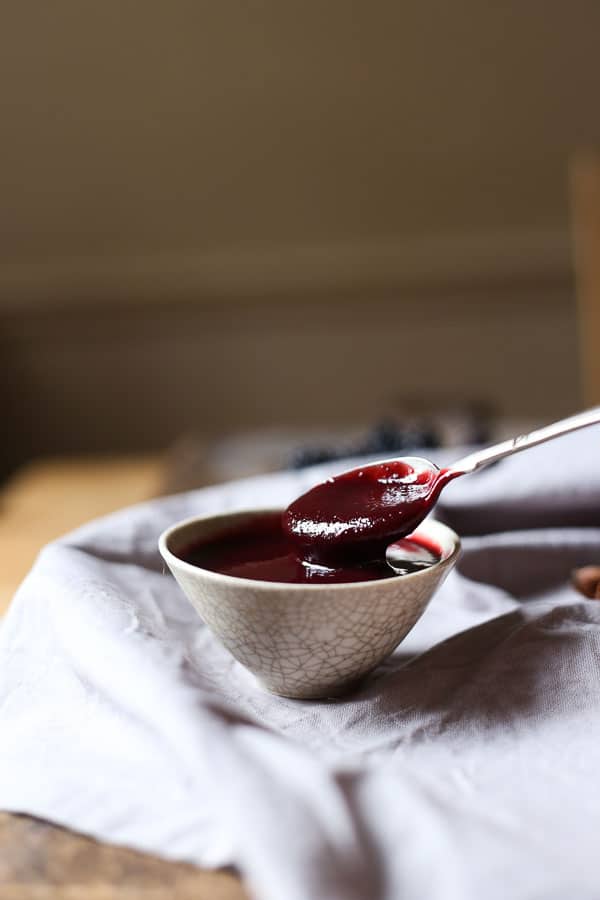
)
(359, 513)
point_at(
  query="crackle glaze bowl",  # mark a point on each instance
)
(304, 641)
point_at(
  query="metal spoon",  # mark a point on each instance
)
(361, 511)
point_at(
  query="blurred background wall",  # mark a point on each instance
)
(226, 215)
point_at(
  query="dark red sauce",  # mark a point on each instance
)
(356, 515)
(261, 550)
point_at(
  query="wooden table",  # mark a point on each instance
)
(46, 499)
(39, 861)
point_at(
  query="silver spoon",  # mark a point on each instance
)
(363, 510)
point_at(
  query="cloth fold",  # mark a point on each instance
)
(465, 766)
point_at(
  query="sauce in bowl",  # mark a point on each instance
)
(262, 550)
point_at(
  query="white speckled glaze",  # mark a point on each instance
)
(304, 641)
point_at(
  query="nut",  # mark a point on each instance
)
(587, 581)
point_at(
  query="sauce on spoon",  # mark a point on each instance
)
(356, 515)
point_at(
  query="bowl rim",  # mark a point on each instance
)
(221, 577)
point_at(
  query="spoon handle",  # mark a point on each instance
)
(484, 457)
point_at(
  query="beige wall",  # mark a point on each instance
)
(140, 128)
(378, 157)
(101, 377)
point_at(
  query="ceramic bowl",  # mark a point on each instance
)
(304, 641)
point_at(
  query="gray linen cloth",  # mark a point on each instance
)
(467, 766)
